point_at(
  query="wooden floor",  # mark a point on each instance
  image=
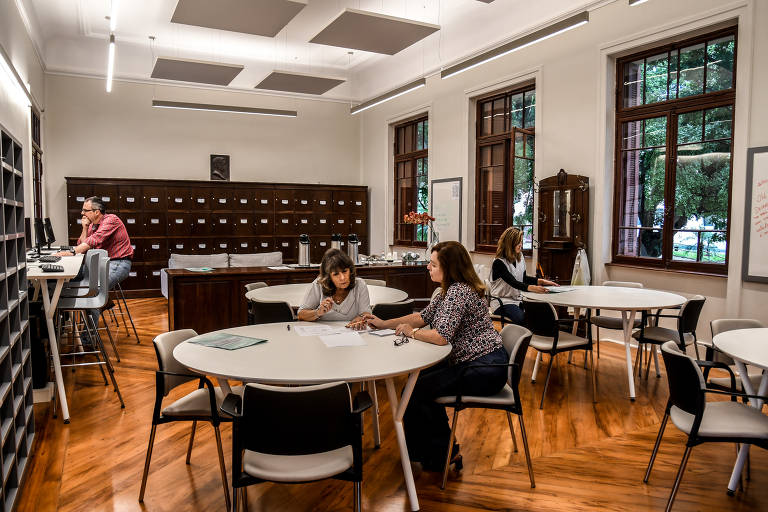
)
(585, 456)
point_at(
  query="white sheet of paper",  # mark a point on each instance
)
(282, 267)
(316, 330)
(382, 332)
(347, 339)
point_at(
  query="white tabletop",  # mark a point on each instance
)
(287, 358)
(293, 294)
(71, 266)
(615, 298)
(746, 345)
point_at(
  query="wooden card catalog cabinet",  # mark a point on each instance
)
(563, 223)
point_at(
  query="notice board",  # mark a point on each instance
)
(445, 197)
(755, 262)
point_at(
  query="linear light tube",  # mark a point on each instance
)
(15, 83)
(110, 62)
(519, 43)
(113, 16)
(636, 2)
(378, 100)
(224, 108)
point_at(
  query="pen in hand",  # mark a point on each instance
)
(288, 327)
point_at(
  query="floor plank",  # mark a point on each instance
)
(586, 456)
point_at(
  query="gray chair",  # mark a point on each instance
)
(389, 310)
(515, 339)
(612, 322)
(375, 282)
(201, 404)
(712, 354)
(702, 421)
(255, 286)
(269, 311)
(296, 435)
(79, 306)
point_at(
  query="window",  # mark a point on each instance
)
(411, 180)
(674, 146)
(505, 169)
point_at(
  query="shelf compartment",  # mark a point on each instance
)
(9, 449)
(18, 158)
(9, 216)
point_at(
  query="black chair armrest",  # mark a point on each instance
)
(361, 402)
(179, 374)
(729, 393)
(232, 405)
(707, 365)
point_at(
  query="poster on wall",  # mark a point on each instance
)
(754, 263)
(445, 197)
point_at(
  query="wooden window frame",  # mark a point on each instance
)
(409, 158)
(507, 138)
(37, 164)
(670, 108)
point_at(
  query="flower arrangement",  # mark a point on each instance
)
(422, 219)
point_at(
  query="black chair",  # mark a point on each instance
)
(542, 320)
(685, 334)
(269, 312)
(702, 421)
(389, 310)
(201, 404)
(712, 354)
(296, 435)
(516, 340)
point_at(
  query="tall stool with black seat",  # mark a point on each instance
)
(296, 435)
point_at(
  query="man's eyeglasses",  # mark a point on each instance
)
(402, 340)
(86, 211)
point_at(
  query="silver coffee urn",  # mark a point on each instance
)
(352, 248)
(336, 241)
(304, 250)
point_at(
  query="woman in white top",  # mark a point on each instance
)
(508, 277)
(336, 294)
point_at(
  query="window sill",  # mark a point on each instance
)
(669, 271)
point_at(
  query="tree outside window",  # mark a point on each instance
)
(411, 175)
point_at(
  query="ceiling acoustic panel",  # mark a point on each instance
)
(288, 81)
(258, 17)
(202, 72)
(373, 32)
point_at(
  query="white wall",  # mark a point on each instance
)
(120, 135)
(574, 75)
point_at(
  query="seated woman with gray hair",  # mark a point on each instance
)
(335, 294)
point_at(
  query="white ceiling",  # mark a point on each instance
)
(72, 37)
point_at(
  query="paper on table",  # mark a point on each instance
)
(226, 340)
(559, 289)
(347, 339)
(317, 330)
(382, 332)
(199, 269)
(281, 267)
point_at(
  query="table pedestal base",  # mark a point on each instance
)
(398, 410)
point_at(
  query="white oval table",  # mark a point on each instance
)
(745, 346)
(294, 293)
(287, 358)
(614, 298)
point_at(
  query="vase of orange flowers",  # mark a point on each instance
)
(424, 219)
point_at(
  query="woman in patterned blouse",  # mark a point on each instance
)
(457, 315)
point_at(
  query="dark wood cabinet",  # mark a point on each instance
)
(203, 217)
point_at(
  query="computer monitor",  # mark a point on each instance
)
(39, 234)
(28, 233)
(49, 234)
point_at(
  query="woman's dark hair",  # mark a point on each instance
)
(457, 266)
(335, 260)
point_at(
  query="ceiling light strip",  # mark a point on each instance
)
(113, 16)
(110, 62)
(7, 64)
(636, 2)
(421, 82)
(519, 43)
(224, 108)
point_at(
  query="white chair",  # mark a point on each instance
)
(375, 282)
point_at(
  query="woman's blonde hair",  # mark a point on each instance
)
(457, 266)
(508, 240)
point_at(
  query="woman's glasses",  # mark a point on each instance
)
(402, 340)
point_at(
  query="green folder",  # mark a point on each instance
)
(226, 341)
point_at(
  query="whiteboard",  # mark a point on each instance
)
(755, 264)
(445, 197)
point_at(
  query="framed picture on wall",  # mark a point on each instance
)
(219, 167)
(754, 263)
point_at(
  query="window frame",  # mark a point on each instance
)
(671, 109)
(507, 137)
(410, 158)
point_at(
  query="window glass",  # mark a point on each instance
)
(656, 73)
(691, 71)
(720, 58)
(633, 83)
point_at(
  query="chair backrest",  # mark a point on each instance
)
(269, 312)
(255, 286)
(689, 313)
(515, 339)
(375, 282)
(541, 317)
(625, 284)
(731, 324)
(92, 257)
(686, 382)
(435, 292)
(296, 420)
(164, 345)
(389, 310)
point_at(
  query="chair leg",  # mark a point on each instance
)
(128, 311)
(648, 360)
(656, 362)
(535, 366)
(546, 382)
(191, 440)
(357, 495)
(244, 490)
(598, 342)
(111, 340)
(656, 447)
(222, 466)
(95, 346)
(146, 462)
(235, 495)
(100, 346)
(525, 448)
(592, 368)
(512, 430)
(450, 447)
(680, 472)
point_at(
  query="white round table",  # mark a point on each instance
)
(745, 346)
(288, 358)
(615, 298)
(293, 294)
